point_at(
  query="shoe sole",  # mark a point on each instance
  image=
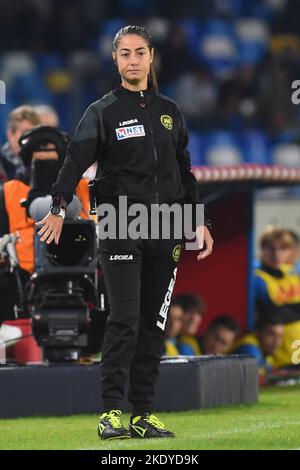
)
(114, 438)
(152, 437)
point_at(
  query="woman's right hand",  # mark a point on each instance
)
(51, 228)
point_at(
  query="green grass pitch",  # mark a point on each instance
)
(273, 423)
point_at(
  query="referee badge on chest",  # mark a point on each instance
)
(167, 121)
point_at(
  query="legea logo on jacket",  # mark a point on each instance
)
(129, 132)
(121, 257)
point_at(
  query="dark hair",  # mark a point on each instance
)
(224, 321)
(268, 319)
(189, 302)
(138, 31)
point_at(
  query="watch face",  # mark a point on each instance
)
(55, 210)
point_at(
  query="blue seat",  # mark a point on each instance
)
(222, 148)
(192, 30)
(111, 27)
(50, 61)
(250, 52)
(217, 27)
(252, 39)
(196, 147)
(217, 47)
(169, 89)
(287, 154)
(107, 32)
(136, 7)
(256, 147)
(28, 88)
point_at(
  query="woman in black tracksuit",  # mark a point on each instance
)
(139, 139)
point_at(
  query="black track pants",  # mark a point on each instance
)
(139, 276)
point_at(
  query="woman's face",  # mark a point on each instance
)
(133, 58)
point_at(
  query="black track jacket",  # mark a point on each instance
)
(139, 139)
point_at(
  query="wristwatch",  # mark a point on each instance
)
(56, 210)
(58, 207)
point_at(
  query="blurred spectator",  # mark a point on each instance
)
(276, 112)
(252, 89)
(193, 308)
(47, 115)
(20, 120)
(220, 336)
(196, 93)
(277, 289)
(263, 342)
(279, 246)
(292, 254)
(237, 98)
(176, 57)
(174, 327)
(22, 24)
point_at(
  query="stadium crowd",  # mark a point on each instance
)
(230, 64)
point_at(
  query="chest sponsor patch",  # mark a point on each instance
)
(130, 131)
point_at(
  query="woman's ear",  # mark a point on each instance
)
(114, 58)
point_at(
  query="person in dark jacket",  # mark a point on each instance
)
(139, 139)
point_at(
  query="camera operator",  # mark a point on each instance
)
(20, 120)
(42, 152)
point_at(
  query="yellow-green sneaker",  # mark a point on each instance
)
(110, 426)
(148, 426)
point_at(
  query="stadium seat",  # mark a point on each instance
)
(192, 30)
(158, 28)
(111, 26)
(15, 64)
(136, 7)
(196, 148)
(252, 40)
(28, 88)
(217, 47)
(255, 145)
(46, 62)
(286, 154)
(222, 148)
(108, 30)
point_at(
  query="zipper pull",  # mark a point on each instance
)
(142, 104)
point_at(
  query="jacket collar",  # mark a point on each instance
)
(149, 93)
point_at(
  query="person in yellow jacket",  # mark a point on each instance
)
(15, 219)
(263, 343)
(193, 308)
(174, 326)
(277, 290)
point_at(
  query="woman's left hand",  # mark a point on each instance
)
(204, 239)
